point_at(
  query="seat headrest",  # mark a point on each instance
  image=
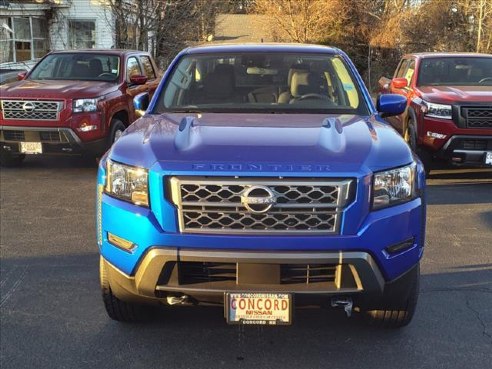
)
(219, 83)
(296, 68)
(95, 67)
(304, 82)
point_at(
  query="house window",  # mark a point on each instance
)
(22, 38)
(82, 34)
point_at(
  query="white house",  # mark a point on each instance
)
(29, 29)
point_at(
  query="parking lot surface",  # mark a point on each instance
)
(52, 314)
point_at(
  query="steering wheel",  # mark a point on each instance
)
(311, 96)
(485, 80)
(106, 74)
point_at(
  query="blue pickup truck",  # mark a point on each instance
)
(262, 178)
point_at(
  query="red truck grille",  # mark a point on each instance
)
(477, 117)
(31, 110)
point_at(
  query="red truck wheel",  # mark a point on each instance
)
(117, 129)
(9, 160)
(424, 155)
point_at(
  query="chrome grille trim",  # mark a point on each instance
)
(41, 110)
(213, 205)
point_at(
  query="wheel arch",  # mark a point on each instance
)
(123, 116)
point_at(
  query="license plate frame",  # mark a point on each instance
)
(488, 158)
(240, 316)
(31, 148)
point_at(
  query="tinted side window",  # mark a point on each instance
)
(409, 72)
(147, 66)
(132, 67)
(401, 68)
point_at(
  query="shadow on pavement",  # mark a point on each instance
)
(55, 162)
(460, 187)
(54, 317)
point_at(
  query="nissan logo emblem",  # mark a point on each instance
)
(28, 107)
(258, 199)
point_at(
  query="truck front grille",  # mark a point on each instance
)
(477, 117)
(31, 110)
(269, 205)
(209, 272)
(33, 135)
(14, 136)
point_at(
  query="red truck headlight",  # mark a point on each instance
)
(85, 105)
(437, 110)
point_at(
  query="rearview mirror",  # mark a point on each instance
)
(391, 104)
(399, 83)
(141, 103)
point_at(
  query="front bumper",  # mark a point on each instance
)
(54, 141)
(158, 274)
(468, 150)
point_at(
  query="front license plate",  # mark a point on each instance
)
(488, 158)
(259, 308)
(31, 148)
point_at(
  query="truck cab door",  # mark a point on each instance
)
(150, 71)
(404, 71)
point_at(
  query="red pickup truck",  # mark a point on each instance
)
(449, 110)
(73, 102)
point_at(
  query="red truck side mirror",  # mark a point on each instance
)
(138, 80)
(399, 83)
(21, 75)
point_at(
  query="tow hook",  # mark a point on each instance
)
(178, 300)
(344, 302)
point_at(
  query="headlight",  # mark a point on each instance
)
(437, 110)
(393, 186)
(127, 183)
(85, 105)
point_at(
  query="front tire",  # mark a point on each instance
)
(399, 303)
(117, 129)
(8, 160)
(117, 309)
(424, 155)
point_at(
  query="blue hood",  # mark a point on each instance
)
(262, 142)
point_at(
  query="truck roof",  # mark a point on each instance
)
(99, 51)
(427, 55)
(262, 47)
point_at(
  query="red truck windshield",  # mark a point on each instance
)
(78, 66)
(455, 71)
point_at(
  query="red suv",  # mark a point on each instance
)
(73, 102)
(449, 109)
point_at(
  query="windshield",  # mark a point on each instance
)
(455, 71)
(78, 66)
(262, 83)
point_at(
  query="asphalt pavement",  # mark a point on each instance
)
(52, 314)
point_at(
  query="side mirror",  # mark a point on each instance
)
(21, 75)
(391, 104)
(138, 80)
(141, 103)
(399, 83)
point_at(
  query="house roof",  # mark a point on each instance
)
(242, 28)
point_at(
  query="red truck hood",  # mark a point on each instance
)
(31, 89)
(450, 94)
